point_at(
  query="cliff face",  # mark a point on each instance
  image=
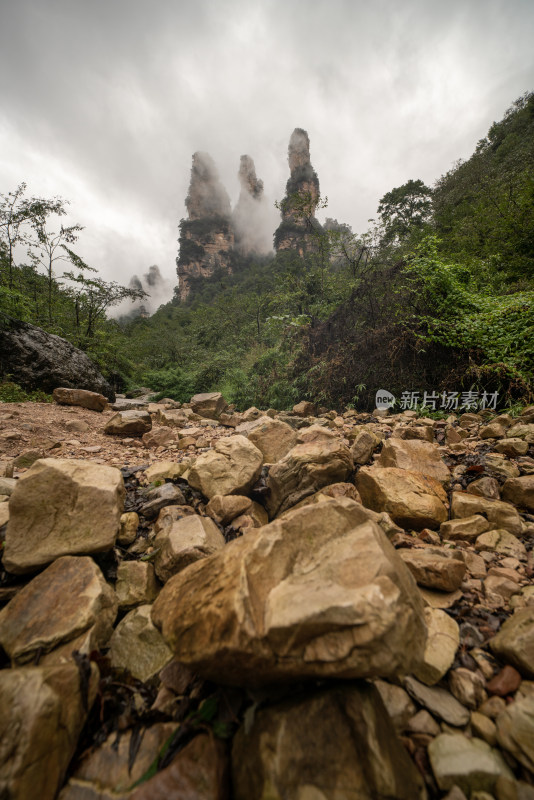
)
(207, 237)
(300, 202)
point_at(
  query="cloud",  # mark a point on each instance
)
(105, 103)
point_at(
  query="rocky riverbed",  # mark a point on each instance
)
(199, 603)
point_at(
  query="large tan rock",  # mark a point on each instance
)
(466, 529)
(305, 469)
(364, 445)
(335, 744)
(232, 467)
(411, 499)
(522, 430)
(136, 584)
(435, 569)
(210, 405)
(159, 437)
(272, 437)
(304, 409)
(441, 645)
(80, 397)
(470, 764)
(503, 542)
(130, 423)
(320, 593)
(137, 646)
(67, 599)
(186, 541)
(62, 507)
(499, 514)
(416, 456)
(515, 641)
(225, 508)
(520, 491)
(511, 447)
(515, 730)
(42, 713)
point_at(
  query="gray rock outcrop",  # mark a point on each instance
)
(36, 359)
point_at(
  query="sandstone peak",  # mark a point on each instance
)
(296, 231)
(207, 196)
(250, 184)
(298, 153)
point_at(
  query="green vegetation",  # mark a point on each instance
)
(12, 393)
(437, 295)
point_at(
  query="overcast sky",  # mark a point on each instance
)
(103, 102)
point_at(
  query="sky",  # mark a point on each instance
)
(104, 102)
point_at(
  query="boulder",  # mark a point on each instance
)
(128, 525)
(159, 437)
(522, 430)
(515, 730)
(232, 467)
(466, 529)
(435, 569)
(485, 487)
(225, 508)
(321, 593)
(499, 514)
(165, 495)
(186, 541)
(36, 359)
(512, 447)
(272, 437)
(337, 743)
(515, 641)
(468, 687)
(520, 491)
(499, 467)
(502, 542)
(62, 507)
(304, 409)
(415, 456)
(80, 397)
(306, 469)
(470, 764)
(136, 584)
(438, 701)
(43, 713)
(210, 405)
(411, 499)
(166, 470)
(69, 598)
(364, 446)
(137, 646)
(441, 645)
(130, 423)
(423, 433)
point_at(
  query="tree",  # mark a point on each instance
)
(93, 296)
(404, 208)
(49, 247)
(17, 214)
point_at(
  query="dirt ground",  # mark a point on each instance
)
(55, 431)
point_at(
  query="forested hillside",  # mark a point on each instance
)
(438, 295)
